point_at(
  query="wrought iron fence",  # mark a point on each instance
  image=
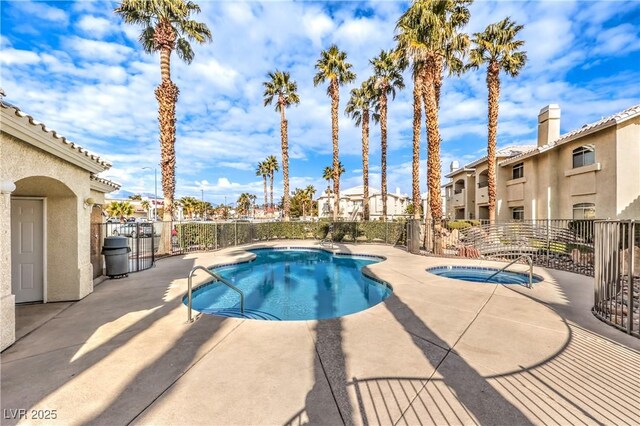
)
(564, 244)
(204, 236)
(142, 239)
(617, 274)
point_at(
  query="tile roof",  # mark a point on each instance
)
(587, 129)
(54, 135)
(508, 151)
(114, 185)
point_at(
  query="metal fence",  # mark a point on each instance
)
(189, 236)
(142, 239)
(617, 274)
(205, 236)
(564, 244)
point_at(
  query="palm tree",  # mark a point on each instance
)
(497, 47)
(411, 52)
(261, 170)
(244, 203)
(387, 77)
(309, 192)
(271, 164)
(166, 27)
(333, 67)
(189, 205)
(429, 35)
(146, 206)
(328, 175)
(281, 88)
(120, 209)
(361, 107)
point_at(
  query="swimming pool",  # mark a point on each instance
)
(480, 275)
(293, 284)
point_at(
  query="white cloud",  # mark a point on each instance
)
(618, 40)
(43, 11)
(102, 51)
(95, 26)
(18, 57)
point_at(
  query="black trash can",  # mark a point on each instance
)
(116, 256)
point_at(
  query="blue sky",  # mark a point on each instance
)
(76, 67)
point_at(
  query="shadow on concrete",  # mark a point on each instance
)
(87, 336)
(471, 389)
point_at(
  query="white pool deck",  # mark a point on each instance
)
(438, 351)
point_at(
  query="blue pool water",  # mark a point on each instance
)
(293, 285)
(480, 275)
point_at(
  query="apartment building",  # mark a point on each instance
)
(589, 172)
(351, 204)
(466, 194)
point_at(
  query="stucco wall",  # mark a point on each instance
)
(36, 173)
(585, 185)
(7, 300)
(628, 161)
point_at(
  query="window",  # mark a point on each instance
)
(584, 211)
(518, 171)
(517, 213)
(583, 156)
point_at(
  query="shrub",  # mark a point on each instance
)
(457, 224)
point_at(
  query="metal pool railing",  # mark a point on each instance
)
(564, 244)
(217, 278)
(617, 274)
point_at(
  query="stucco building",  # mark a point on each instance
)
(351, 204)
(50, 195)
(590, 172)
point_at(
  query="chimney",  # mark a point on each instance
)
(548, 124)
(454, 166)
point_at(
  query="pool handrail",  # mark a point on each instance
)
(326, 238)
(529, 262)
(218, 278)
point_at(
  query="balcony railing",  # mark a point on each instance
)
(483, 184)
(458, 191)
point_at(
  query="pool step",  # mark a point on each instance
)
(248, 314)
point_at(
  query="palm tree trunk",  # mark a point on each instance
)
(365, 164)
(285, 160)
(493, 84)
(433, 149)
(264, 180)
(437, 84)
(383, 150)
(335, 100)
(417, 118)
(167, 96)
(271, 184)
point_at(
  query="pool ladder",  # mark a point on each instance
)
(529, 262)
(218, 278)
(328, 240)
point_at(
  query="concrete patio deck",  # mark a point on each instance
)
(437, 351)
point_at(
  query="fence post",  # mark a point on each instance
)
(235, 233)
(215, 233)
(137, 247)
(355, 238)
(412, 238)
(386, 232)
(630, 265)
(548, 242)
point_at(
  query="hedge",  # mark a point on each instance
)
(211, 236)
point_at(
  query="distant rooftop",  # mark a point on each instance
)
(587, 129)
(506, 152)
